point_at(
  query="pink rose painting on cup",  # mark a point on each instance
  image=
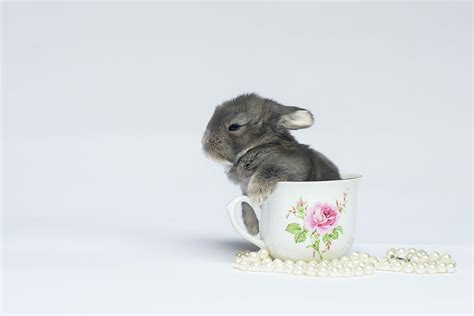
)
(319, 224)
(322, 217)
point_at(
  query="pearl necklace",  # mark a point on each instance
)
(357, 264)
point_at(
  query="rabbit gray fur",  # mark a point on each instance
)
(250, 136)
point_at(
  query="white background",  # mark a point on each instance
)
(106, 191)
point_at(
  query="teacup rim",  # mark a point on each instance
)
(345, 177)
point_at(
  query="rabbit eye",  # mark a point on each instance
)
(234, 127)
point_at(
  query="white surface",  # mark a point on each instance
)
(138, 265)
(105, 184)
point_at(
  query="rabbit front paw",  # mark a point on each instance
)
(259, 191)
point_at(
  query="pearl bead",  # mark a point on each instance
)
(401, 253)
(322, 272)
(303, 266)
(364, 255)
(414, 258)
(442, 268)
(255, 266)
(310, 270)
(391, 252)
(370, 268)
(289, 262)
(267, 260)
(277, 265)
(386, 266)
(345, 259)
(420, 268)
(347, 272)
(446, 258)
(432, 268)
(411, 250)
(355, 255)
(263, 253)
(267, 267)
(451, 267)
(312, 264)
(396, 266)
(288, 270)
(244, 264)
(239, 254)
(300, 262)
(244, 259)
(409, 267)
(298, 270)
(334, 261)
(424, 258)
(434, 256)
(374, 260)
(253, 257)
(359, 271)
(334, 272)
(421, 252)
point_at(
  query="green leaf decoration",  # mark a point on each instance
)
(339, 229)
(316, 244)
(301, 236)
(326, 237)
(293, 228)
(314, 237)
(334, 235)
(300, 212)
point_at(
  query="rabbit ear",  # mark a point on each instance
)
(295, 118)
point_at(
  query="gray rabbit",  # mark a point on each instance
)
(250, 136)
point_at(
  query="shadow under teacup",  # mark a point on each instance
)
(305, 220)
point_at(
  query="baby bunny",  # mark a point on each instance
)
(250, 136)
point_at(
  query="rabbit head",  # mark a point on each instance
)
(247, 121)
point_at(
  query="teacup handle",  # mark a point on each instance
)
(232, 209)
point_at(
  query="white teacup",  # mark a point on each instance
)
(305, 220)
